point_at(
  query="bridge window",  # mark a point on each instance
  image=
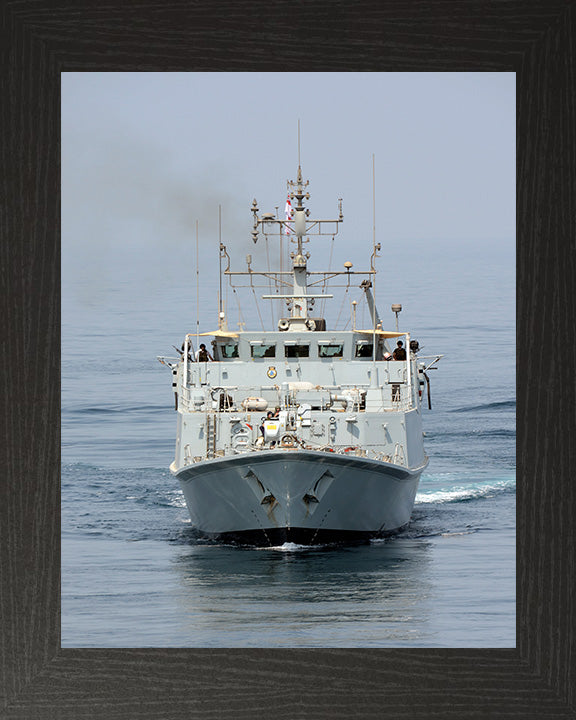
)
(296, 351)
(228, 351)
(364, 349)
(263, 351)
(331, 350)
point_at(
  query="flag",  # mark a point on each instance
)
(288, 215)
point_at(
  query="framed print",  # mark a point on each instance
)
(41, 678)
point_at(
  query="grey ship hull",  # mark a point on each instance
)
(306, 497)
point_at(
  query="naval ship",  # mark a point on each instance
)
(305, 434)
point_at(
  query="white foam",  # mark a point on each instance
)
(178, 502)
(457, 534)
(464, 492)
(287, 547)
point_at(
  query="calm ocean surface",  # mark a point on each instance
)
(134, 574)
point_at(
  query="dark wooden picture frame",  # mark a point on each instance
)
(41, 39)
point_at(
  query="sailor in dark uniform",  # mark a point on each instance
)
(399, 353)
(203, 355)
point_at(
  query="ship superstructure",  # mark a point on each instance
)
(303, 434)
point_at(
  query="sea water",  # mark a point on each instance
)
(134, 571)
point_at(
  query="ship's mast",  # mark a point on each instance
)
(300, 284)
(300, 228)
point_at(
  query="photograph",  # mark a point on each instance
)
(288, 360)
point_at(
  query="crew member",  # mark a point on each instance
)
(399, 353)
(202, 355)
(269, 416)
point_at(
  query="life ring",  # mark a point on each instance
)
(271, 372)
(283, 325)
(349, 449)
(311, 324)
(288, 440)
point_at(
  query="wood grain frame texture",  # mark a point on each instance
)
(40, 39)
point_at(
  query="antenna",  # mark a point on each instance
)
(374, 255)
(298, 142)
(220, 312)
(197, 290)
(374, 201)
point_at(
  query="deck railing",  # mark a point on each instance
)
(394, 396)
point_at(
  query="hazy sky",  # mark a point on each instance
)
(146, 155)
